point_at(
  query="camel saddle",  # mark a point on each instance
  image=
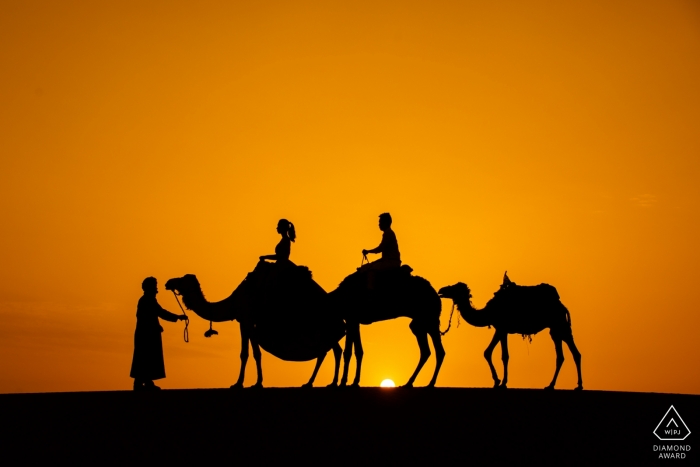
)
(387, 279)
(509, 290)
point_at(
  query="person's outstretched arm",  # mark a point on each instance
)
(167, 316)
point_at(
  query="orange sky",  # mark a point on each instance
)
(557, 140)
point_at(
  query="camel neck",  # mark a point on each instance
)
(224, 310)
(471, 315)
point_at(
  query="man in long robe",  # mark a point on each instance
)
(147, 364)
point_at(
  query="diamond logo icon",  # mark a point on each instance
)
(672, 427)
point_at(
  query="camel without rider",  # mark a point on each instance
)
(518, 310)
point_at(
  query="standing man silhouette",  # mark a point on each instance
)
(148, 363)
(389, 248)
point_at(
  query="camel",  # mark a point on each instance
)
(402, 295)
(293, 327)
(518, 310)
(399, 294)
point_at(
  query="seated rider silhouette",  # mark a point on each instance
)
(389, 248)
(273, 279)
(284, 247)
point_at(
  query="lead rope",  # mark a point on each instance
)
(442, 333)
(186, 334)
(364, 258)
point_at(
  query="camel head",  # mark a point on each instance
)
(184, 285)
(458, 291)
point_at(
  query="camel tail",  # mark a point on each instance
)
(449, 324)
(568, 315)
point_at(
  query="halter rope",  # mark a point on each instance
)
(442, 333)
(186, 334)
(364, 258)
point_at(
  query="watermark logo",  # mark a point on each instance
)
(672, 427)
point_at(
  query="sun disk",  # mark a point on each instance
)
(387, 383)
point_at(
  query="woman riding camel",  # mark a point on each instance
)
(284, 247)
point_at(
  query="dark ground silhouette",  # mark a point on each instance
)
(367, 426)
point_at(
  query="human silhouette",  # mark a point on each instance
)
(148, 363)
(284, 247)
(389, 248)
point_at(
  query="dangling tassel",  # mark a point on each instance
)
(211, 331)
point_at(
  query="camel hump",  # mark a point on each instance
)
(548, 291)
(543, 292)
(303, 273)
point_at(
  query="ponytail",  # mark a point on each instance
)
(291, 233)
(288, 228)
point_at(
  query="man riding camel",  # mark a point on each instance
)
(389, 248)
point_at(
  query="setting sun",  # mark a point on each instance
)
(387, 383)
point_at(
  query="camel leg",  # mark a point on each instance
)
(422, 338)
(487, 355)
(244, 356)
(504, 356)
(257, 355)
(359, 353)
(337, 351)
(439, 355)
(347, 354)
(560, 360)
(577, 358)
(319, 361)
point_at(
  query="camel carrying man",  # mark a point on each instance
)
(389, 248)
